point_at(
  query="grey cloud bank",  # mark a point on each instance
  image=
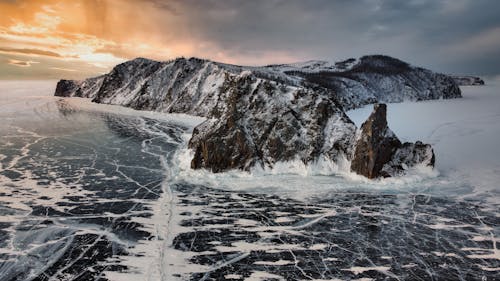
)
(461, 36)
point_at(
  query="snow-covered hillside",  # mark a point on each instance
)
(193, 85)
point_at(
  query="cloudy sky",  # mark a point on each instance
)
(74, 39)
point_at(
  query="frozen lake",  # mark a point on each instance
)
(97, 192)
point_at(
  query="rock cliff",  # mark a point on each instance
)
(262, 115)
(264, 122)
(378, 152)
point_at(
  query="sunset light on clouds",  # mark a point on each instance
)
(82, 36)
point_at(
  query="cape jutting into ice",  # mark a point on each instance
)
(258, 116)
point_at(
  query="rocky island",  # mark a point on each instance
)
(258, 116)
(466, 80)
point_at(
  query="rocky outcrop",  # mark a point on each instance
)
(265, 122)
(379, 153)
(465, 80)
(262, 115)
(407, 156)
(376, 144)
(80, 89)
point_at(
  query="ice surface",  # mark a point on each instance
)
(83, 188)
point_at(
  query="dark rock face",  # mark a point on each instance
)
(225, 148)
(379, 153)
(468, 80)
(376, 144)
(264, 123)
(262, 115)
(81, 89)
(66, 88)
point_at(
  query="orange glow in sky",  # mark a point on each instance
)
(80, 35)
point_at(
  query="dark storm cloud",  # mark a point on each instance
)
(436, 34)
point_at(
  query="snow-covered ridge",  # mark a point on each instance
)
(378, 78)
(152, 85)
(258, 116)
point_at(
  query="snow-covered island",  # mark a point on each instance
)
(467, 80)
(258, 116)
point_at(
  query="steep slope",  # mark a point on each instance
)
(180, 86)
(265, 122)
(262, 115)
(377, 78)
